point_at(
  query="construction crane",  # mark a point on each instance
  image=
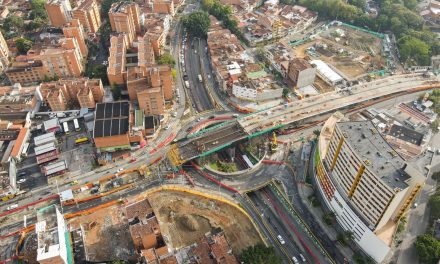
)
(274, 144)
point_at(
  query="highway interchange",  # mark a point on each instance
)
(269, 214)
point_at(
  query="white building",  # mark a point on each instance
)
(326, 73)
(52, 237)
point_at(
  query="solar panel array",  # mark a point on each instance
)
(111, 119)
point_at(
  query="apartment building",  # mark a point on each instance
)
(74, 29)
(125, 18)
(301, 72)
(364, 182)
(4, 53)
(26, 72)
(163, 7)
(65, 93)
(150, 87)
(145, 52)
(64, 61)
(157, 28)
(116, 70)
(88, 14)
(58, 12)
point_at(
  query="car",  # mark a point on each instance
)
(120, 169)
(22, 173)
(295, 260)
(74, 182)
(21, 181)
(235, 115)
(211, 117)
(167, 127)
(174, 114)
(302, 257)
(280, 238)
(12, 207)
(189, 129)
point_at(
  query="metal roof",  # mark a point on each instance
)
(111, 119)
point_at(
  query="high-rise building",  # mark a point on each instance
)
(74, 29)
(163, 7)
(82, 92)
(124, 18)
(88, 15)
(116, 71)
(4, 52)
(301, 72)
(53, 240)
(151, 100)
(362, 179)
(58, 12)
(64, 61)
(145, 52)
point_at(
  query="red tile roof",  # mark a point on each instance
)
(21, 139)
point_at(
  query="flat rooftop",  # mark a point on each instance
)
(378, 156)
(406, 134)
(111, 119)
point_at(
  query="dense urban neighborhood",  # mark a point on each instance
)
(219, 131)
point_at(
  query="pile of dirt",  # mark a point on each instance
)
(189, 222)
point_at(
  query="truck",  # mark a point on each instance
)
(200, 78)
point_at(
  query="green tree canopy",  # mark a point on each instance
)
(13, 23)
(428, 249)
(38, 10)
(166, 58)
(260, 254)
(197, 23)
(414, 51)
(105, 6)
(23, 45)
(434, 205)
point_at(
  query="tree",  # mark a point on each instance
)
(38, 10)
(197, 23)
(98, 71)
(116, 91)
(23, 45)
(166, 58)
(13, 23)
(436, 175)
(414, 51)
(434, 205)
(286, 92)
(428, 249)
(317, 132)
(260, 254)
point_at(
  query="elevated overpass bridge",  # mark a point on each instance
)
(225, 134)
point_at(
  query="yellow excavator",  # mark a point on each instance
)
(274, 144)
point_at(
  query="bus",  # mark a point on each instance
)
(200, 78)
(81, 140)
(24, 152)
(66, 127)
(75, 123)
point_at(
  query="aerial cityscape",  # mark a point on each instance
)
(219, 131)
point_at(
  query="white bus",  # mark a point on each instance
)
(75, 123)
(66, 128)
(24, 152)
(200, 78)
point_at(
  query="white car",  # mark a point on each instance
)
(280, 238)
(21, 180)
(167, 127)
(120, 169)
(12, 207)
(295, 260)
(302, 257)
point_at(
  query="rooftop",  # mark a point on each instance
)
(375, 152)
(138, 210)
(111, 119)
(406, 134)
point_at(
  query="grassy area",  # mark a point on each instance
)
(223, 166)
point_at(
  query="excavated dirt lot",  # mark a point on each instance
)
(185, 217)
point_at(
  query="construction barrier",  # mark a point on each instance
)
(204, 174)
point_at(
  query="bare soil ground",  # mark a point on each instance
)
(184, 218)
(107, 235)
(365, 51)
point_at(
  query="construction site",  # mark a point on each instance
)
(185, 217)
(353, 53)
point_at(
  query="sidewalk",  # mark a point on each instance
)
(304, 192)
